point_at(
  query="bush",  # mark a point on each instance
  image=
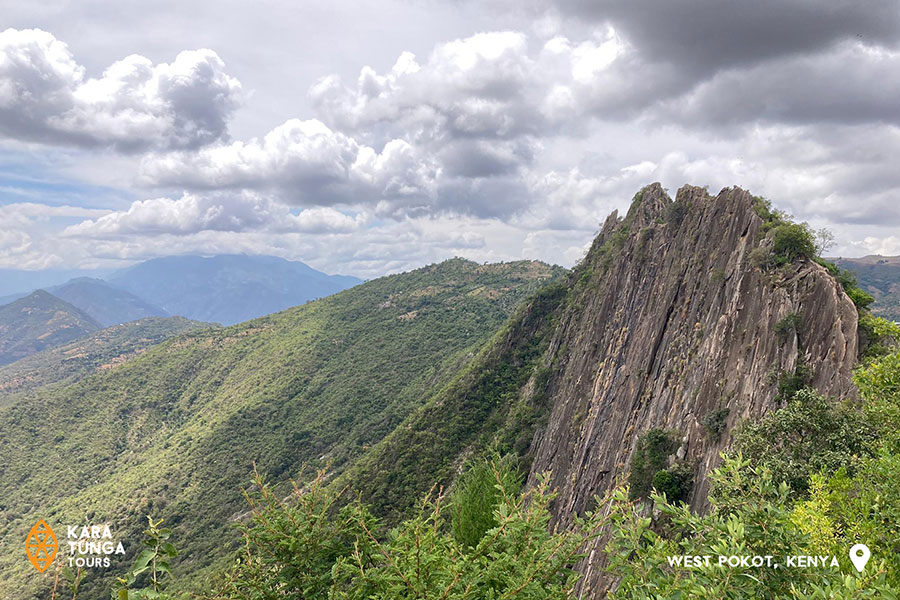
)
(793, 241)
(653, 448)
(791, 322)
(675, 482)
(762, 258)
(308, 548)
(478, 493)
(808, 435)
(715, 422)
(860, 298)
(750, 514)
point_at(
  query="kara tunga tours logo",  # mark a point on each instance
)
(84, 547)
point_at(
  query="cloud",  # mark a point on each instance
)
(851, 83)
(308, 164)
(215, 211)
(45, 96)
(702, 37)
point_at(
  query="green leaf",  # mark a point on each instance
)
(143, 559)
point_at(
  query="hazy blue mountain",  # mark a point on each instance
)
(105, 303)
(227, 288)
(16, 283)
(40, 321)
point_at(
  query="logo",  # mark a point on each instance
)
(41, 546)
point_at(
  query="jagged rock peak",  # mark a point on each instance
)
(669, 322)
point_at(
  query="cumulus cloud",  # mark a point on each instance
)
(306, 163)
(494, 145)
(455, 134)
(46, 96)
(215, 211)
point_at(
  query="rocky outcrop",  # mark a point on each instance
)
(668, 322)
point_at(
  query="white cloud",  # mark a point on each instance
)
(211, 211)
(134, 105)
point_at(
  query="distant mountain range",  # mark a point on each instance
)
(879, 276)
(223, 289)
(227, 289)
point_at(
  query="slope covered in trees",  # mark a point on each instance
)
(102, 350)
(39, 321)
(175, 432)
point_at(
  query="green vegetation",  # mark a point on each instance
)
(312, 546)
(479, 410)
(790, 323)
(152, 564)
(808, 435)
(37, 322)
(715, 422)
(477, 493)
(99, 351)
(793, 241)
(649, 466)
(674, 483)
(750, 515)
(174, 431)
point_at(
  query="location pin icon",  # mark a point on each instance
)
(859, 556)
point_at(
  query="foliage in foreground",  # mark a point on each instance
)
(750, 515)
(816, 478)
(308, 546)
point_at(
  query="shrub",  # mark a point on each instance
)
(715, 421)
(299, 549)
(478, 493)
(675, 482)
(860, 298)
(808, 435)
(653, 448)
(793, 241)
(750, 514)
(789, 323)
(762, 258)
(791, 383)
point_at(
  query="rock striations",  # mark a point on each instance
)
(668, 322)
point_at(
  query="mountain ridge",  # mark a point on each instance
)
(317, 384)
(39, 321)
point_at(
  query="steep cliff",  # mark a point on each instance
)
(670, 325)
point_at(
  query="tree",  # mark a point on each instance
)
(824, 241)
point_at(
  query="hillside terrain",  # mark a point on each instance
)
(99, 351)
(880, 277)
(38, 321)
(227, 289)
(677, 320)
(175, 432)
(702, 377)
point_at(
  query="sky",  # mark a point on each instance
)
(372, 137)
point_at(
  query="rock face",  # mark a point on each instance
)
(669, 322)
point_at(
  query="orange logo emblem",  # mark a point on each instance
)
(41, 546)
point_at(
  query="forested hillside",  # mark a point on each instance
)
(102, 350)
(880, 277)
(38, 321)
(176, 431)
